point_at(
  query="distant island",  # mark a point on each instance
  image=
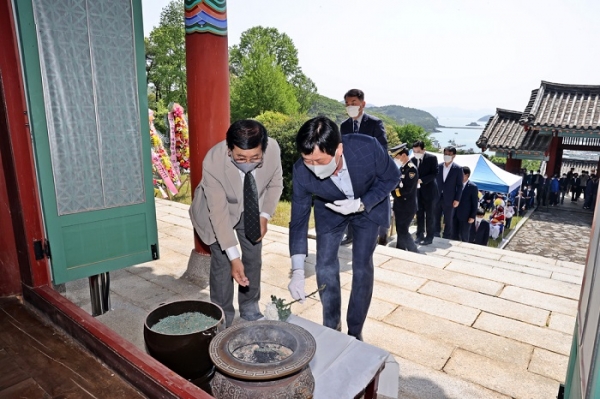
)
(473, 124)
(402, 115)
(484, 118)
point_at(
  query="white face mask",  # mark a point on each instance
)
(324, 171)
(399, 163)
(447, 158)
(419, 155)
(353, 110)
(478, 220)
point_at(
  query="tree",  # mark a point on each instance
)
(281, 51)
(165, 56)
(284, 129)
(262, 87)
(410, 133)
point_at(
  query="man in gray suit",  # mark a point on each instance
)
(246, 162)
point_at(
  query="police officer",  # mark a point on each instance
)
(405, 197)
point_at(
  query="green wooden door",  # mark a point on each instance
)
(84, 70)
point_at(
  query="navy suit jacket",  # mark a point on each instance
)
(428, 171)
(369, 125)
(451, 189)
(469, 201)
(481, 235)
(373, 174)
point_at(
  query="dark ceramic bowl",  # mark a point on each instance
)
(185, 354)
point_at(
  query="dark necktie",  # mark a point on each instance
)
(251, 212)
(418, 163)
(355, 130)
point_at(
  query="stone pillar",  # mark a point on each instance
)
(207, 67)
(553, 164)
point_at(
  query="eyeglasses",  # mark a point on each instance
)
(256, 159)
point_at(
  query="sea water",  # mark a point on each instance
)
(455, 130)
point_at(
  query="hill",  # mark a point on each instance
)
(402, 115)
(484, 118)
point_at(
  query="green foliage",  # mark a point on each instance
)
(284, 128)
(165, 56)
(324, 106)
(266, 56)
(531, 164)
(410, 133)
(262, 87)
(404, 115)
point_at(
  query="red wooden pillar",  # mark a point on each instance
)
(207, 67)
(512, 165)
(20, 206)
(553, 164)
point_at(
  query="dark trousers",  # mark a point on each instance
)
(221, 282)
(562, 196)
(447, 211)
(404, 216)
(425, 217)
(507, 223)
(460, 229)
(328, 273)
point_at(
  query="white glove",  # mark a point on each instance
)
(296, 286)
(345, 207)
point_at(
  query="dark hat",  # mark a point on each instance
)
(396, 149)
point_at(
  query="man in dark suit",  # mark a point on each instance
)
(465, 212)
(361, 122)
(405, 198)
(427, 192)
(480, 230)
(222, 218)
(349, 180)
(530, 196)
(450, 185)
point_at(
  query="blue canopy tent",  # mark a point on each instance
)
(485, 174)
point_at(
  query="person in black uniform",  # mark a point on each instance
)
(405, 197)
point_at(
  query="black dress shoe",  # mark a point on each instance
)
(426, 242)
(358, 337)
(419, 239)
(382, 240)
(346, 241)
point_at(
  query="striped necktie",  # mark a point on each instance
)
(355, 129)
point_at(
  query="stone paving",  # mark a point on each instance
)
(463, 321)
(561, 232)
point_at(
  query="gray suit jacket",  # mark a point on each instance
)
(219, 199)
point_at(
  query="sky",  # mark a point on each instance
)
(444, 56)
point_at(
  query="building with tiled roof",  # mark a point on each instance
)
(557, 117)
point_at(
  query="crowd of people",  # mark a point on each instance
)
(351, 180)
(541, 190)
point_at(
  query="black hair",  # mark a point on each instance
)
(480, 211)
(355, 93)
(246, 134)
(466, 170)
(319, 132)
(450, 149)
(420, 144)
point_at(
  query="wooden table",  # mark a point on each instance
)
(345, 367)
